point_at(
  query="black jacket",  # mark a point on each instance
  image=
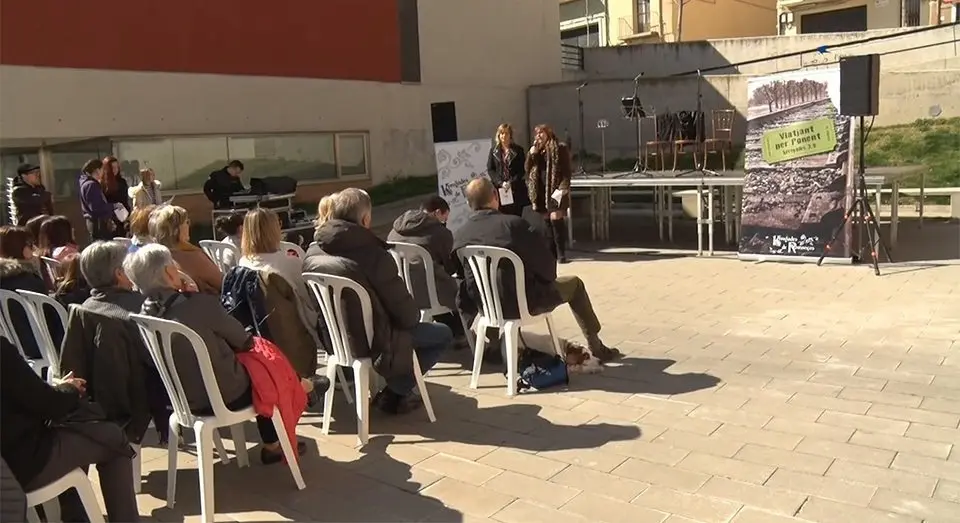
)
(353, 251)
(103, 347)
(121, 195)
(29, 201)
(423, 229)
(495, 229)
(27, 403)
(20, 275)
(510, 169)
(221, 186)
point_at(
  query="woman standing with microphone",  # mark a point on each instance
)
(548, 181)
(505, 166)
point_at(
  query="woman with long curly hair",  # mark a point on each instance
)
(548, 181)
(116, 190)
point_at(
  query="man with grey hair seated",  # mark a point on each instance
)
(154, 271)
(103, 347)
(345, 246)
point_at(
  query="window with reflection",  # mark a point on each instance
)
(143, 154)
(68, 159)
(300, 156)
(195, 158)
(352, 154)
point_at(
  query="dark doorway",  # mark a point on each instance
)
(837, 21)
(444, 117)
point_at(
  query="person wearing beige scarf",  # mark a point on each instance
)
(548, 182)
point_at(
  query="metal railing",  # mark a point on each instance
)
(643, 17)
(571, 57)
(911, 10)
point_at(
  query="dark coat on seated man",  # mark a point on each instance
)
(422, 227)
(103, 347)
(492, 228)
(352, 251)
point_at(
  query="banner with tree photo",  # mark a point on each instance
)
(797, 182)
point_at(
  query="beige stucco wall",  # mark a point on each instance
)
(703, 19)
(485, 75)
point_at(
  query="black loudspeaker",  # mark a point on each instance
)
(860, 85)
(443, 115)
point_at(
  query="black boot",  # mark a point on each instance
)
(559, 227)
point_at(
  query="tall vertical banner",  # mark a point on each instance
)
(457, 164)
(798, 178)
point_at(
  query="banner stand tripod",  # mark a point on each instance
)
(862, 215)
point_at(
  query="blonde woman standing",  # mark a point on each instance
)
(505, 166)
(147, 192)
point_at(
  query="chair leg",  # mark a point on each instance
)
(89, 500)
(723, 158)
(361, 381)
(240, 445)
(172, 461)
(51, 510)
(136, 469)
(205, 438)
(467, 330)
(552, 329)
(332, 370)
(479, 343)
(422, 385)
(343, 384)
(221, 450)
(512, 341)
(33, 517)
(676, 154)
(289, 452)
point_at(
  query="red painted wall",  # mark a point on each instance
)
(336, 39)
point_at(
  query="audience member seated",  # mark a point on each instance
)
(170, 227)
(56, 239)
(154, 271)
(38, 452)
(231, 227)
(545, 290)
(19, 270)
(347, 247)
(73, 288)
(33, 226)
(101, 342)
(294, 313)
(140, 227)
(427, 228)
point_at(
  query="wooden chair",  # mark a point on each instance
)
(657, 147)
(721, 141)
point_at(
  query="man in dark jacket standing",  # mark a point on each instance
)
(97, 212)
(427, 228)
(30, 197)
(345, 246)
(544, 289)
(224, 183)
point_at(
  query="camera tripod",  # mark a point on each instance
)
(861, 214)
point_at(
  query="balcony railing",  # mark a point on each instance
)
(911, 10)
(571, 57)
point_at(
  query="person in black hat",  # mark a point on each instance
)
(30, 198)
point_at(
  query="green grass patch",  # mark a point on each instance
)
(933, 143)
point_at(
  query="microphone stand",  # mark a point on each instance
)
(583, 150)
(640, 166)
(699, 168)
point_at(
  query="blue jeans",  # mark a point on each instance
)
(429, 341)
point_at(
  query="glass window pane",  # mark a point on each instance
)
(141, 154)
(352, 154)
(299, 156)
(67, 161)
(195, 158)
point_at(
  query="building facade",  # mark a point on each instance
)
(592, 23)
(331, 93)
(836, 16)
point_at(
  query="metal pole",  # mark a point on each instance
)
(586, 19)
(603, 150)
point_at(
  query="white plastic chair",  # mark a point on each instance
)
(328, 290)
(286, 247)
(49, 358)
(158, 335)
(216, 249)
(484, 263)
(40, 303)
(52, 267)
(47, 496)
(122, 239)
(408, 254)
